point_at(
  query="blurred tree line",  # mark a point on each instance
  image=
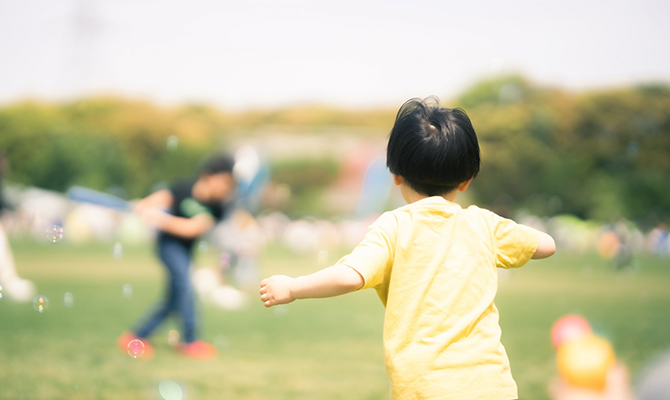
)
(601, 154)
(104, 143)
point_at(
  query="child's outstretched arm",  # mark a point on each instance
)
(329, 282)
(545, 248)
(185, 227)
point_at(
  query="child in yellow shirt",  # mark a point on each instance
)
(432, 264)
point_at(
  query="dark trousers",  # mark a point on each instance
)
(179, 296)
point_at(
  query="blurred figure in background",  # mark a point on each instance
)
(245, 241)
(654, 381)
(252, 175)
(615, 244)
(618, 387)
(182, 214)
(243, 237)
(11, 284)
(658, 241)
(652, 384)
(240, 238)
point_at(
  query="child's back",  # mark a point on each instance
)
(433, 265)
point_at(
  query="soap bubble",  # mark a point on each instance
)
(135, 348)
(54, 233)
(222, 343)
(172, 143)
(117, 253)
(281, 310)
(203, 247)
(0, 292)
(171, 390)
(322, 259)
(632, 150)
(510, 93)
(224, 261)
(68, 299)
(40, 304)
(127, 290)
(644, 296)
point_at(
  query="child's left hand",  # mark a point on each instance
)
(276, 290)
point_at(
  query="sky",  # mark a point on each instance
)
(364, 53)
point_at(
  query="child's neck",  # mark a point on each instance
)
(412, 196)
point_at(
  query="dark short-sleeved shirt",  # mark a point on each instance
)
(185, 206)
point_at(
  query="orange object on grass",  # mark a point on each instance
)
(585, 362)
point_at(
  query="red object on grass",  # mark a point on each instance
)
(125, 340)
(568, 328)
(199, 350)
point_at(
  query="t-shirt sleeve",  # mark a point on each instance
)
(189, 207)
(373, 257)
(515, 243)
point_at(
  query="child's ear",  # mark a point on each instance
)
(464, 185)
(398, 180)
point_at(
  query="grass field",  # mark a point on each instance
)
(314, 349)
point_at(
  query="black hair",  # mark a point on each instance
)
(217, 163)
(434, 149)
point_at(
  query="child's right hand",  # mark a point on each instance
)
(276, 290)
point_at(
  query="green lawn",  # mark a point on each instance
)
(314, 349)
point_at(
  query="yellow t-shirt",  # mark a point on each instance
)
(433, 265)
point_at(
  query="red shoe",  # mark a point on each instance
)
(136, 350)
(199, 350)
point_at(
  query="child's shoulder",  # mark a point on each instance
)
(432, 209)
(475, 209)
(439, 204)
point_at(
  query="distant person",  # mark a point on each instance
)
(658, 240)
(182, 214)
(433, 265)
(11, 285)
(652, 384)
